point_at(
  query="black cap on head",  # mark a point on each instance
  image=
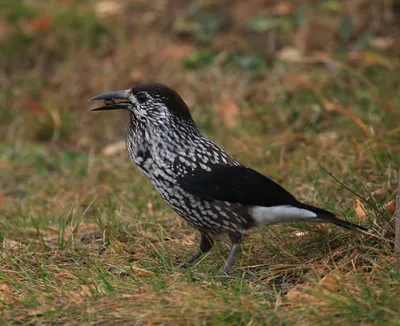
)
(166, 95)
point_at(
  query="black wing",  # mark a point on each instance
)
(236, 184)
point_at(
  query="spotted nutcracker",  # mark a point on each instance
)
(197, 178)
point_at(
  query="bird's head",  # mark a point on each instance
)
(153, 103)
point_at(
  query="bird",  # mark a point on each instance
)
(197, 178)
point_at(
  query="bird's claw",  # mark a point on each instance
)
(183, 266)
(224, 272)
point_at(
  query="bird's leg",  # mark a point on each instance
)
(236, 239)
(206, 244)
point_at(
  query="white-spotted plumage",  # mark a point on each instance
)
(168, 152)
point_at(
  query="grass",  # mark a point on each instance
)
(86, 240)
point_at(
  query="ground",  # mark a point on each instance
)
(307, 93)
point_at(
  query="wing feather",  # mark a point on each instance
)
(237, 184)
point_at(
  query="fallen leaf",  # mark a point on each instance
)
(290, 54)
(283, 8)
(382, 43)
(5, 288)
(360, 210)
(296, 295)
(108, 8)
(3, 199)
(119, 246)
(87, 289)
(354, 253)
(33, 106)
(330, 283)
(6, 296)
(114, 148)
(144, 274)
(150, 208)
(371, 58)
(137, 76)
(229, 112)
(332, 107)
(10, 244)
(63, 276)
(74, 297)
(38, 24)
(391, 206)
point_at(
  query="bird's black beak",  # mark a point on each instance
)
(109, 102)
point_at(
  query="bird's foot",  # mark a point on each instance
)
(190, 260)
(224, 273)
(183, 266)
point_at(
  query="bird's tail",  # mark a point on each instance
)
(325, 216)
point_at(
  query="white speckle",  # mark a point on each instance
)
(210, 212)
(278, 214)
(224, 214)
(206, 218)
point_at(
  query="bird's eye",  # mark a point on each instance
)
(141, 97)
